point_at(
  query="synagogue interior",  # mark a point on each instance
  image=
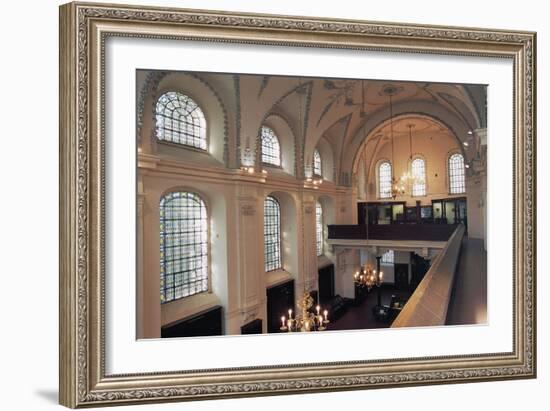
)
(276, 204)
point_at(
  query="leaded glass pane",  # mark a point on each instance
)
(180, 120)
(457, 182)
(183, 246)
(317, 165)
(384, 180)
(272, 234)
(388, 257)
(271, 150)
(418, 167)
(319, 228)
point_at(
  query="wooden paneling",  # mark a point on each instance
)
(253, 327)
(326, 283)
(405, 232)
(205, 323)
(279, 299)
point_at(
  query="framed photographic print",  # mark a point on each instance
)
(259, 204)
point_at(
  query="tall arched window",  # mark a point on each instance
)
(272, 234)
(180, 120)
(384, 180)
(319, 228)
(271, 149)
(418, 169)
(183, 246)
(317, 164)
(457, 184)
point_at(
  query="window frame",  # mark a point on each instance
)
(279, 241)
(424, 166)
(319, 235)
(162, 248)
(317, 155)
(278, 140)
(386, 262)
(379, 181)
(178, 143)
(449, 172)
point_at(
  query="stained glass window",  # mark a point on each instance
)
(317, 165)
(388, 257)
(180, 120)
(418, 167)
(457, 183)
(384, 180)
(183, 246)
(272, 234)
(319, 228)
(271, 150)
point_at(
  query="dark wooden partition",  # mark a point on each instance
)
(326, 284)
(279, 299)
(253, 327)
(420, 232)
(205, 323)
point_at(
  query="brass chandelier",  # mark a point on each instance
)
(409, 179)
(397, 186)
(368, 277)
(306, 320)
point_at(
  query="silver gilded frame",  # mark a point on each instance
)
(84, 27)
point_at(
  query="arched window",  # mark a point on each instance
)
(388, 257)
(319, 228)
(271, 149)
(272, 234)
(418, 169)
(180, 120)
(317, 165)
(384, 180)
(183, 246)
(457, 183)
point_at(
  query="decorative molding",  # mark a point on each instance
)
(258, 145)
(151, 86)
(237, 86)
(302, 153)
(265, 82)
(248, 210)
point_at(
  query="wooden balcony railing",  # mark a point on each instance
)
(403, 232)
(430, 301)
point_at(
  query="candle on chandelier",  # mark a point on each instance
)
(318, 308)
(326, 315)
(289, 314)
(283, 321)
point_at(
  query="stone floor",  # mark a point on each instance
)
(361, 316)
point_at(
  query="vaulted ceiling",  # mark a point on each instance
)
(344, 112)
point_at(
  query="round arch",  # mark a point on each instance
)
(374, 135)
(206, 98)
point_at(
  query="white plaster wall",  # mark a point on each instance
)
(434, 148)
(235, 204)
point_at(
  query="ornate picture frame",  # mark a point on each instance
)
(84, 29)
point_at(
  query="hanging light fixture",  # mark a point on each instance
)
(409, 179)
(397, 186)
(306, 320)
(368, 277)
